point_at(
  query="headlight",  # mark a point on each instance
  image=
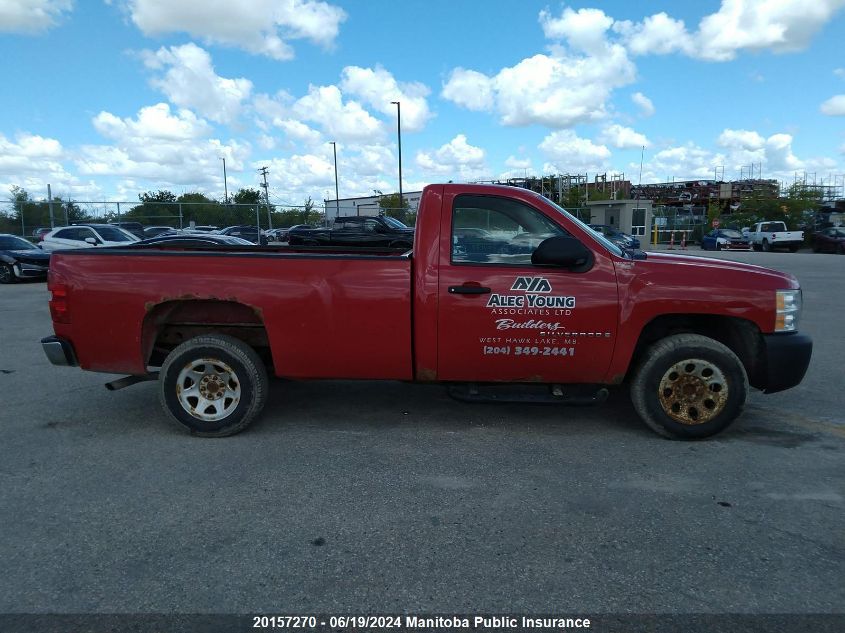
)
(788, 304)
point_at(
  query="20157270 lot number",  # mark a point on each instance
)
(526, 350)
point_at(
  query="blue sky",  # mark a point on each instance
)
(107, 99)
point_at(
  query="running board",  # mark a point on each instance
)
(576, 395)
(128, 381)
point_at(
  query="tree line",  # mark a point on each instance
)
(160, 208)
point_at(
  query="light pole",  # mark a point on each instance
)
(399, 135)
(336, 194)
(225, 184)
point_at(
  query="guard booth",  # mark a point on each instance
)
(629, 216)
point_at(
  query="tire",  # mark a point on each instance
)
(766, 246)
(840, 249)
(202, 365)
(718, 246)
(713, 378)
(7, 275)
(793, 249)
(756, 248)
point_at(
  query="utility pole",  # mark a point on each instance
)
(225, 184)
(336, 191)
(264, 171)
(50, 204)
(399, 136)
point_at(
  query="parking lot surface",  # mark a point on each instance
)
(388, 497)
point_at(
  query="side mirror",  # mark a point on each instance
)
(563, 251)
(91, 240)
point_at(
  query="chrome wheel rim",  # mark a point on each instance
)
(208, 389)
(693, 391)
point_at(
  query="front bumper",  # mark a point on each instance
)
(59, 351)
(29, 271)
(787, 358)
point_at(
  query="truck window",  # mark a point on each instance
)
(490, 230)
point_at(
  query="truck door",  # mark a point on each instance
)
(502, 319)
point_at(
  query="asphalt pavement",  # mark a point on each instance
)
(390, 497)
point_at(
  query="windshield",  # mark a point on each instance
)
(13, 243)
(112, 234)
(598, 237)
(394, 223)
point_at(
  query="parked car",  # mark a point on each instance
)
(283, 235)
(245, 231)
(616, 236)
(830, 240)
(21, 259)
(727, 239)
(356, 231)
(201, 228)
(152, 231)
(188, 240)
(136, 228)
(40, 232)
(767, 236)
(86, 236)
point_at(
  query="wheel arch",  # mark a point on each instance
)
(170, 323)
(741, 336)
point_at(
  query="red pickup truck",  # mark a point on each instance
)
(502, 286)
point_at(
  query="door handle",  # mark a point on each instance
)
(469, 290)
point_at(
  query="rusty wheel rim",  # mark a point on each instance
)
(208, 389)
(693, 391)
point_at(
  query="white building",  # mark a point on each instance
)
(366, 205)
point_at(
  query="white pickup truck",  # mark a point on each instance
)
(767, 236)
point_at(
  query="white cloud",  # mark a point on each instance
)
(742, 139)
(258, 26)
(456, 159)
(377, 87)
(657, 34)
(161, 147)
(189, 81)
(839, 72)
(777, 25)
(584, 30)
(622, 137)
(835, 106)
(570, 85)
(571, 154)
(341, 121)
(31, 16)
(471, 89)
(644, 103)
(518, 163)
(556, 90)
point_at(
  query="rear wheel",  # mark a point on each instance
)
(213, 385)
(689, 387)
(766, 246)
(7, 275)
(793, 249)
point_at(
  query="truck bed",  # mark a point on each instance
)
(355, 304)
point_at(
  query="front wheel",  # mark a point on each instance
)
(213, 385)
(766, 246)
(689, 387)
(7, 275)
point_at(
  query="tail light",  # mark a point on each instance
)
(59, 310)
